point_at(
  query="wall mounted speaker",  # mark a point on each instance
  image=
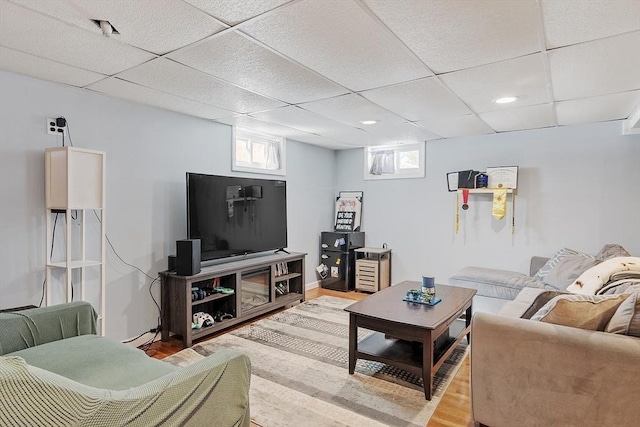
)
(188, 257)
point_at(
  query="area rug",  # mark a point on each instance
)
(300, 372)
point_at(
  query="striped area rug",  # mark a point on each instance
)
(300, 372)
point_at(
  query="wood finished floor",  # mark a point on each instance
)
(454, 409)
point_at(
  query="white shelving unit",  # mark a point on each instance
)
(75, 182)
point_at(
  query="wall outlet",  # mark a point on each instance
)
(53, 128)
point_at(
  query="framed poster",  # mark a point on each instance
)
(348, 211)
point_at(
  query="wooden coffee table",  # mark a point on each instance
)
(421, 341)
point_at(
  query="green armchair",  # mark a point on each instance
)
(55, 371)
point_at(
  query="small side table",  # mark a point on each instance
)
(373, 269)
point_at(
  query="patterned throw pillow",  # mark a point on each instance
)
(591, 312)
(553, 261)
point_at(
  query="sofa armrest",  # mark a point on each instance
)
(36, 326)
(211, 391)
(530, 373)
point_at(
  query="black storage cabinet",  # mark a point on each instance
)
(336, 252)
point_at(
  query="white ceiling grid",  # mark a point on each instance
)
(313, 70)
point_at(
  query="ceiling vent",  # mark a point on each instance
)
(106, 27)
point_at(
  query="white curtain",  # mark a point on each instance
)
(383, 162)
(273, 156)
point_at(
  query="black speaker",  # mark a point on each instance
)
(171, 262)
(188, 257)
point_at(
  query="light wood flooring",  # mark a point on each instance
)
(454, 409)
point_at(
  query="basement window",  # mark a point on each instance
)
(394, 162)
(258, 153)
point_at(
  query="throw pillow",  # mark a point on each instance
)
(626, 319)
(596, 277)
(569, 269)
(539, 302)
(580, 311)
(553, 261)
(611, 250)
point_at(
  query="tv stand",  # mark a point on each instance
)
(259, 285)
(282, 250)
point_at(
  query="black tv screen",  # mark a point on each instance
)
(236, 216)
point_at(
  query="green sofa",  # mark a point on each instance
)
(55, 371)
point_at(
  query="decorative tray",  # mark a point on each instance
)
(430, 303)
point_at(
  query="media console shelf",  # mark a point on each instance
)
(259, 285)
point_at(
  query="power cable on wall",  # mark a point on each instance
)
(145, 346)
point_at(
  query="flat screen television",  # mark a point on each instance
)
(236, 216)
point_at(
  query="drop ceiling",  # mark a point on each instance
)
(313, 70)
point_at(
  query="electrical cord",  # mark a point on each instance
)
(68, 132)
(53, 239)
(147, 344)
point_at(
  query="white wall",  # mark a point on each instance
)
(578, 188)
(148, 152)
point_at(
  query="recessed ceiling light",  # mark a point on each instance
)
(506, 100)
(369, 122)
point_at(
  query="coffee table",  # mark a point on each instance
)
(409, 336)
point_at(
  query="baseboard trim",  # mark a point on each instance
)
(311, 285)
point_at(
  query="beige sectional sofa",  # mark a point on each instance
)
(531, 373)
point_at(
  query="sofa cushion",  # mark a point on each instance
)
(495, 283)
(611, 250)
(521, 303)
(120, 366)
(591, 312)
(626, 319)
(568, 269)
(553, 261)
(596, 277)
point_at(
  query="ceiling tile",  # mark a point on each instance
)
(300, 119)
(171, 77)
(418, 100)
(34, 66)
(351, 110)
(256, 125)
(233, 12)
(237, 59)
(597, 109)
(339, 40)
(574, 21)
(453, 126)
(403, 133)
(283, 131)
(321, 141)
(350, 135)
(452, 35)
(522, 77)
(532, 117)
(158, 26)
(140, 94)
(599, 67)
(65, 43)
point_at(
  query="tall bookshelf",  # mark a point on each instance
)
(75, 185)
